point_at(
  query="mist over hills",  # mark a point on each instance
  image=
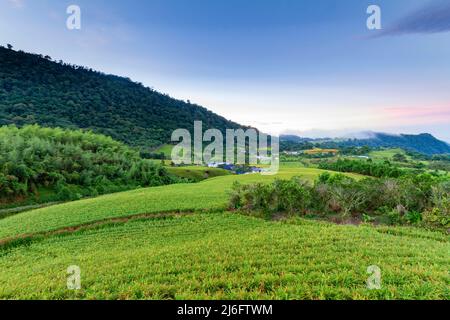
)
(423, 143)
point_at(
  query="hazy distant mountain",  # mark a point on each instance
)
(423, 143)
(360, 135)
(296, 139)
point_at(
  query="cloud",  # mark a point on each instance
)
(430, 19)
(330, 133)
(425, 115)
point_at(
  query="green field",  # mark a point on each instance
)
(387, 154)
(197, 173)
(166, 149)
(228, 256)
(210, 194)
(207, 253)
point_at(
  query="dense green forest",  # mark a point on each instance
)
(71, 163)
(36, 90)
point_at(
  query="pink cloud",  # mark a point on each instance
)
(415, 115)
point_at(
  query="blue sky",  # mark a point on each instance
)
(298, 66)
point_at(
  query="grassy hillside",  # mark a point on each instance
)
(227, 256)
(165, 149)
(387, 154)
(196, 173)
(211, 194)
(133, 245)
(36, 90)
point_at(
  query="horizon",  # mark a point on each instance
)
(322, 60)
(309, 134)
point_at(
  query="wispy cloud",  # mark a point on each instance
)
(432, 18)
(429, 115)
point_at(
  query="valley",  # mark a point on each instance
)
(88, 183)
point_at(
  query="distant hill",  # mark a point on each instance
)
(423, 143)
(36, 90)
(295, 139)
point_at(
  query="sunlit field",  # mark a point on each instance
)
(228, 256)
(211, 194)
(175, 242)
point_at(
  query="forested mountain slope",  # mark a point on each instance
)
(36, 90)
(423, 143)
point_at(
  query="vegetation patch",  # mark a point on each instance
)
(26, 239)
(413, 200)
(368, 168)
(228, 256)
(69, 165)
(210, 194)
(197, 173)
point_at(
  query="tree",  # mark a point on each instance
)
(398, 157)
(70, 162)
(10, 47)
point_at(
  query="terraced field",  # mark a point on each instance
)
(207, 195)
(228, 256)
(208, 253)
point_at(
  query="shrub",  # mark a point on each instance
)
(413, 217)
(280, 196)
(394, 217)
(367, 218)
(65, 194)
(408, 200)
(439, 214)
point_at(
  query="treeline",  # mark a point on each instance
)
(72, 163)
(368, 168)
(420, 199)
(421, 146)
(287, 145)
(36, 90)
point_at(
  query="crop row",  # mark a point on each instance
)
(228, 256)
(206, 195)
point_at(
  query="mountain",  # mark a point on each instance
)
(295, 139)
(36, 90)
(424, 143)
